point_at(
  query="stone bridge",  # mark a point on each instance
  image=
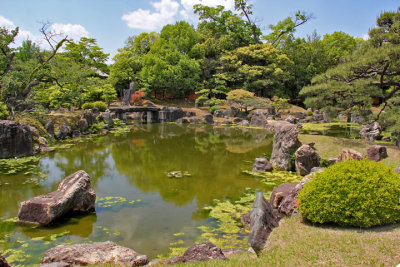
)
(149, 114)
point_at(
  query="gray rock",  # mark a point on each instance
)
(285, 143)
(262, 221)
(182, 120)
(171, 114)
(318, 116)
(64, 131)
(377, 152)
(237, 120)
(292, 119)
(107, 117)
(371, 131)
(231, 112)
(190, 114)
(218, 113)
(74, 194)
(300, 115)
(244, 123)
(305, 159)
(194, 120)
(90, 116)
(258, 119)
(201, 252)
(348, 153)
(76, 133)
(261, 165)
(98, 253)
(227, 122)
(82, 125)
(49, 127)
(16, 139)
(208, 118)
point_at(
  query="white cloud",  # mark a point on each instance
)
(187, 11)
(365, 37)
(4, 22)
(144, 19)
(73, 31)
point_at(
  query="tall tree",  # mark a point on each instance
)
(371, 72)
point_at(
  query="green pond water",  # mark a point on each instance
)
(138, 205)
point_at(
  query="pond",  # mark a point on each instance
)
(138, 204)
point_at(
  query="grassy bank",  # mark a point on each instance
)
(295, 243)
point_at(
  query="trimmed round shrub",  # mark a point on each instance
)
(100, 105)
(352, 193)
(87, 106)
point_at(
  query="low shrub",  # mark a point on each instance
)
(214, 108)
(98, 126)
(352, 193)
(3, 111)
(100, 105)
(87, 106)
(310, 113)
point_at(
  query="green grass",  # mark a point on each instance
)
(295, 243)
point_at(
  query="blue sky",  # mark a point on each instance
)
(112, 21)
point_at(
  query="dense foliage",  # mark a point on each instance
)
(352, 193)
(370, 73)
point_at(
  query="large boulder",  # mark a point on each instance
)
(65, 131)
(371, 131)
(261, 165)
(305, 159)
(300, 115)
(16, 139)
(262, 221)
(90, 116)
(99, 253)
(258, 119)
(171, 114)
(218, 113)
(348, 153)
(3, 262)
(285, 143)
(74, 194)
(292, 119)
(376, 152)
(199, 252)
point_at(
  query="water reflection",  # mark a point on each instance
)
(133, 166)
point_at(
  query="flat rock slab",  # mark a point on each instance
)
(74, 194)
(99, 253)
(199, 252)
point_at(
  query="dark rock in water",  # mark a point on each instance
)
(227, 122)
(182, 120)
(377, 152)
(218, 113)
(208, 118)
(190, 114)
(258, 119)
(3, 262)
(99, 253)
(194, 120)
(49, 127)
(371, 131)
(305, 159)
(74, 194)
(261, 165)
(349, 154)
(65, 131)
(262, 221)
(16, 140)
(279, 193)
(200, 252)
(170, 114)
(285, 143)
(397, 169)
(55, 264)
